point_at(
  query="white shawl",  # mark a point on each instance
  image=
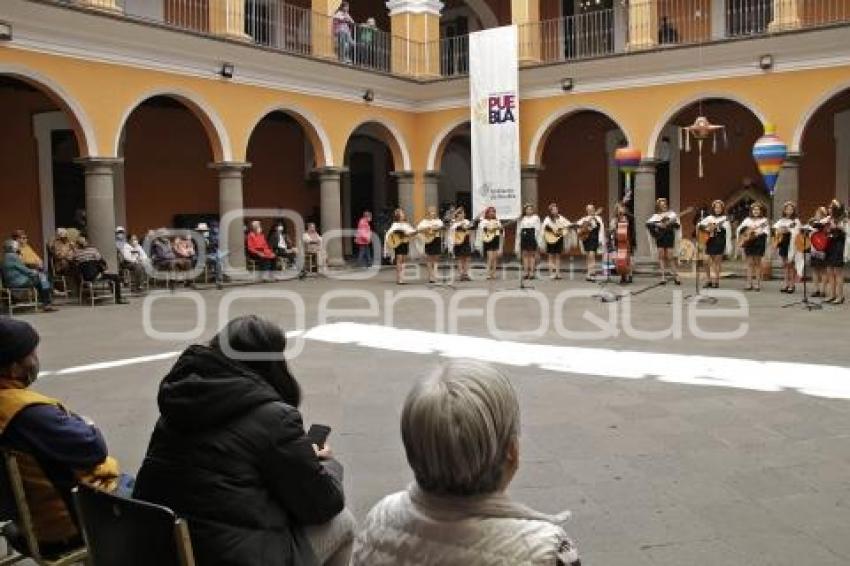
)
(479, 234)
(657, 218)
(450, 236)
(723, 221)
(595, 221)
(532, 222)
(397, 227)
(426, 225)
(560, 223)
(761, 226)
(793, 226)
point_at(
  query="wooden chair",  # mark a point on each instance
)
(12, 486)
(130, 532)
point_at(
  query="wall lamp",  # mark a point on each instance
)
(567, 84)
(5, 31)
(766, 62)
(227, 70)
(369, 95)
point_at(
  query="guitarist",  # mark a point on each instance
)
(752, 239)
(459, 242)
(489, 239)
(622, 230)
(555, 229)
(785, 230)
(528, 240)
(591, 235)
(397, 243)
(665, 232)
(715, 234)
(430, 231)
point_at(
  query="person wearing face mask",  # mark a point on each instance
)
(55, 449)
(130, 259)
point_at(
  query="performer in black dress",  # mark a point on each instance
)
(784, 231)
(716, 231)
(489, 239)
(460, 242)
(557, 237)
(397, 242)
(528, 240)
(664, 233)
(591, 235)
(817, 259)
(430, 231)
(836, 253)
(752, 239)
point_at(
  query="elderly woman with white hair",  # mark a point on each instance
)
(460, 428)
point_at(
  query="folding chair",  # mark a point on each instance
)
(129, 532)
(57, 282)
(12, 486)
(18, 298)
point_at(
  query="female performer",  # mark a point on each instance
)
(397, 243)
(528, 240)
(459, 242)
(818, 258)
(556, 233)
(591, 235)
(717, 234)
(488, 239)
(785, 230)
(622, 231)
(430, 231)
(752, 239)
(665, 233)
(837, 253)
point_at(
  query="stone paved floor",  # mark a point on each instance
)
(655, 473)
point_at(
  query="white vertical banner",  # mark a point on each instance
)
(494, 104)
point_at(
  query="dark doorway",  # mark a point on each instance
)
(69, 182)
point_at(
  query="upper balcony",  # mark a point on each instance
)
(586, 29)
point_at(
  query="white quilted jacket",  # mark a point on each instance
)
(412, 528)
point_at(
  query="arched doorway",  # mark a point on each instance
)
(453, 163)
(372, 155)
(577, 159)
(283, 158)
(729, 173)
(825, 155)
(167, 180)
(40, 142)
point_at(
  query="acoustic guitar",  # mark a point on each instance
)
(399, 237)
(429, 235)
(553, 236)
(585, 228)
(460, 235)
(490, 234)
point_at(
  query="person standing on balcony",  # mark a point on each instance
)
(343, 26)
(366, 38)
(667, 32)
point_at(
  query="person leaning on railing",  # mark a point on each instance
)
(343, 25)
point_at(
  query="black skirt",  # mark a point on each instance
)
(665, 238)
(493, 245)
(835, 249)
(528, 242)
(402, 249)
(784, 244)
(435, 247)
(464, 249)
(591, 243)
(716, 245)
(756, 247)
(556, 248)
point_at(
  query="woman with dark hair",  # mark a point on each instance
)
(837, 253)
(230, 455)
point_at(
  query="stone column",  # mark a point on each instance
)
(842, 156)
(331, 203)
(788, 184)
(406, 182)
(643, 24)
(227, 19)
(621, 27)
(321, 30)
(230, 203)
(528, 188)
(525, 14)
(718, 19)
(786, 15)
(644, 195)
(108, 5)
(100, 206)
(432, 189)
(415, 37)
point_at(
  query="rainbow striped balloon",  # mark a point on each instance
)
(770, 153)
(627, 159)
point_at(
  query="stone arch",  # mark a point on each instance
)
(805, 119)
(388, 133)
(313, 128)
(441, 140)
(538, 142)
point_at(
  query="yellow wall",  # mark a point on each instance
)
(106, 94)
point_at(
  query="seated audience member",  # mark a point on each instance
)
(280, 244)
(91, 266)
(28, 254)
(55, 449)
(258, 247)
(184, 252)
(229, 453)
(460, 429)
(213, 258)
(312, 242)
(131, 259)
(162, 254)
(62, 249)
(16, 275)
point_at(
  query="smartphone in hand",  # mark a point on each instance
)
(318, 434)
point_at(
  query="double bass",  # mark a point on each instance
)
(623, 250)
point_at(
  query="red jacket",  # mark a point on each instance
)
(258, 245)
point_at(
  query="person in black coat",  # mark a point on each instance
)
(230, 455)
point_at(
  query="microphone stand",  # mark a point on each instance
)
(805, 302)
(699, 260)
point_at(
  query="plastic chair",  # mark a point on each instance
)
(128, 532)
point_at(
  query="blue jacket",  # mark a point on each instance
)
(15, 273)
